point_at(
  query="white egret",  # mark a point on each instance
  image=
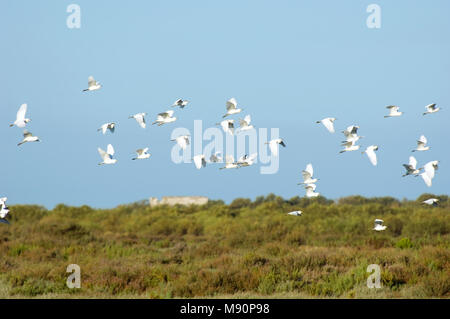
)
(244, 124)
(181, 103)
(107, 126)
(273, 145)
(351, 134)
(431, 202)
(295, 213)
(310, 190)
(429, 172)
(92, 84)
(107, 156)
(4, 210)
(230, 163)
(421, 144)
(232, 107)
(165, 117)
(350, 146)
(431, 108)
(182, 141)
(328, 122)
(140, 118)
(142, 154)
(379, 225)
(199, 161)
(307, 175)
(21, 121)
(28, 137)
(393, 111)
(370, 151)
(411, 167)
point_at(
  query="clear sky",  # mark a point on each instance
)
(288, 63)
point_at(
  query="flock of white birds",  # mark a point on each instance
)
(309, 183)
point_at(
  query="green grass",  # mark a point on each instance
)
(248, 249)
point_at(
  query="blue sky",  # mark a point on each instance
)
(288, 63)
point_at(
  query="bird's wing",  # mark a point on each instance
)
(181, 140)
(248, 119)
(243, 123)
(306, 175)
(372, 156)
(273, 145)
(27, 134)
(430, 107)
(110, 150)
(91, 81)
(309, 169)
(231, 104)
(311, 186)
(426, 178)
(429, 169)
(104, 128)
(102, 153)
(413, 162)
(328, 124)
(224, 125)
(198, 161)
(378, 221)
(21, 112)
(422, 140)
(140, 151)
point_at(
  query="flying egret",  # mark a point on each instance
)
(310, 190)
(230, 163)
(181, 103)
(92, 84)
(421, 144)
(232, 107)
(244, 124)
(431, 202)
(273, 145)
(351, 134)
(247, 160)
(107, 156)
(165, 117)
(28, 137)
(307, 175)
(199, 161)
(182, 141)
(379, 225)
(227, 126)
(370, 151)
(142, 154)
(140, 118)
(350, 146)
(295, 213)
(429, 172)
(215, 158)
(328, 122)
(21, 121)
(431, 108)
(107, 126)
(411, 167)
(393, 111)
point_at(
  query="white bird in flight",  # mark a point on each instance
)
(230, 163)
(310, 190)
(411, 167)
(107, 126)
(244, 124)
(182, 141)
(273, 145)
(351, 134)
(307, 175)
(328, 122)
(246, 160)
(181, 103)
(431, 202)
(21, 121)
(429, 172)
(92, 84)
(379, 225)
(107, 156)
(227, 126)
(199, 161)
(142, 154)
(295, 213)
(28, 137)
(349, 146)
(140, 118)
(370, 151)
(421, 144)
(165, 117)
(232, 107)
(431, 108)
(393, 111)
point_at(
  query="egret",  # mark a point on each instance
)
(421, 144)
(4, 210)
(140, 118)
(310, 190)
(379, 225)
(411, 167)
(142, 154)
(429, 172)
(28, 137)
(107, 156)
(227, 126)
(431, 108)
(328, 122)
(182, 141)
(230, 163)
(21, 121)
(307, 175)
(370, 151)
(199, 161)
(295, 213)
(350, 146)
(393, 111)
(107, 126)
(431, 202)
(273, 145)
(244, 124)
(351, 134)
(232, 107)
(181, 103)
(92, 85)
(165, 117)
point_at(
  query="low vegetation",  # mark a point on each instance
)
(244, 249)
